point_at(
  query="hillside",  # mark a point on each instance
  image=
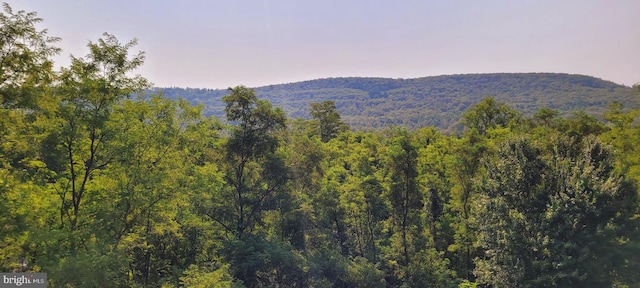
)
(438, 100)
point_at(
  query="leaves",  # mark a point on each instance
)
(100, 185)
(25, 64)
(547, 215)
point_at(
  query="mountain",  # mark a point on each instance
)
(429, 101)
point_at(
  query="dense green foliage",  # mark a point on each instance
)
(366, 103)
(102, 185)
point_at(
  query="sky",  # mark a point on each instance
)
(225, 43)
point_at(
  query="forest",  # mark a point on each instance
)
(371, 103)
(105, 185)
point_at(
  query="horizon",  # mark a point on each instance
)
(392, 78)
(214, 45)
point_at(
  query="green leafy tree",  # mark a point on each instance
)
(25, 78)
(583, 125)
(429, 268)
(259, 262)
(362, 273)
(624, 136)
(546, 117)
(488, 114)
(328, 120)
(362, 195)
(200, 278)
(466, 164)
(26, 67)
(618, 118)
(255, 175)
(144, 195)
(406, 200)
(254, 189)
(91, 88)
(305, 157)
(554, 216)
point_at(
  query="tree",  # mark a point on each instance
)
(144, 195)
(620, 120)
(361, 194)
(488, 114)
(90, 90)
(624, 136)
(546, 117)
(25, 74)
(255, 175)
(25, 63)
(260, 262)
(328, 118)
(582, 125)
(406, 201)
(200, 278)
(465, 165)
(554, 216)
(254, 186)
(304, 157)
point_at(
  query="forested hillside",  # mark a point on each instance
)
(430, 101)
(102, 185)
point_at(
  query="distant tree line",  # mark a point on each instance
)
(439, 101)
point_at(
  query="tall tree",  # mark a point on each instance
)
(406, 199)
(466, 164)
(90, 90)
(362, 194)
(26, 75)
(255, 174)
(255, 178)
(141, 191)
(328, 120)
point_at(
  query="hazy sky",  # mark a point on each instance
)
(224, 43)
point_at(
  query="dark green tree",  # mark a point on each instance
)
(406, 200)
(255, 174)
(254, 192)
(328, 120)
(582, 125)
(554, 216)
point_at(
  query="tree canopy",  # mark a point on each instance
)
(105, 185)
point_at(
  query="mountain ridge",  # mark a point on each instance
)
(373, 102)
